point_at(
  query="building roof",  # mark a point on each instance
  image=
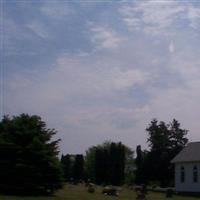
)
(191, 153)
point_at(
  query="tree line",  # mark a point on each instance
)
(29, 162)
(102, 164)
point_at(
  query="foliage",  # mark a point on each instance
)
(106, 163)
(73, 167)
(67, 166)
(129, 171)
(78, 168)
(90, 163)
(165, 141)
(139, 163)
(29, 162)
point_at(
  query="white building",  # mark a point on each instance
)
(187, 169)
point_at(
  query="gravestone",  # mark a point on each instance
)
(169, 193)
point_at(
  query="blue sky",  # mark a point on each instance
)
(101, 70)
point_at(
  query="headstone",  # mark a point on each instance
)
(111, 191)
(169, 193)
(141, 192)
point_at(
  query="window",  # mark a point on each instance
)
(182, 174)
(195, 174)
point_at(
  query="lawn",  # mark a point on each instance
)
(71, 192)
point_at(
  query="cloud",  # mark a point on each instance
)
(71, 77)
(194, 17)
(39, 29)
(105, 38)
(187, 66)
(171, 47)
(159, 17)
(78, 94)
(180, 101)
(57, 10)
(98, 81)
(129, 78)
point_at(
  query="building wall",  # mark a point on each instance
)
(188, 185)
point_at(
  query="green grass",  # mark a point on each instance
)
(70, 192)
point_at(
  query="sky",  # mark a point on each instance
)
(101, 70)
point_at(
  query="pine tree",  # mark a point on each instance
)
(29, 162)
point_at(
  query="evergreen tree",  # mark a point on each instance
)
(67, 166)
(90, 164)
(120, 163)
(29, 162)
(78, 168)
(139, 164)
(130, 166)
(99, 166)
(106, 163)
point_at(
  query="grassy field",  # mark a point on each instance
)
(70, 192)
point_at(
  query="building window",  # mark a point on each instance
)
(195, 174)
(182, 174)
